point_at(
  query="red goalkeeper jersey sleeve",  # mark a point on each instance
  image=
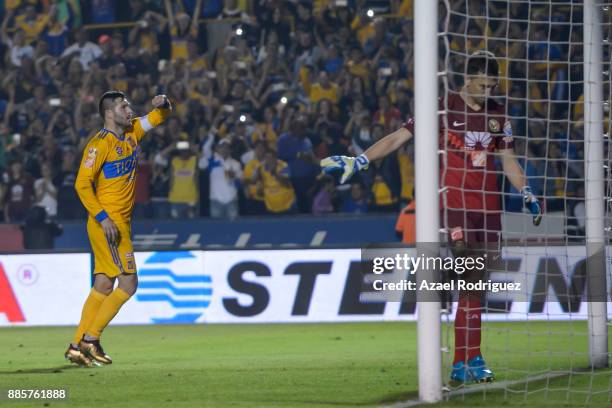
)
(469, 139)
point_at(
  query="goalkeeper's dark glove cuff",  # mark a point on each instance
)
(533, 205)
(166, 104)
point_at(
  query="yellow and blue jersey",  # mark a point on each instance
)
(107, 175)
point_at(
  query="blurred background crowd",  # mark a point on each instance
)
(262, 90)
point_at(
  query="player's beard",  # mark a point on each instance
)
(122, 122)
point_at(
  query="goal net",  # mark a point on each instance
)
(539, 340)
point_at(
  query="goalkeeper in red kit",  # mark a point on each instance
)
(477, 130)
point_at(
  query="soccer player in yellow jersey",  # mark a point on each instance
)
(105, 184)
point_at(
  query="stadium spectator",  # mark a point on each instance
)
(295, 148)
(182, 29)
(142, 201)
(232, 9)
(31, 23)
(144, 34)
(327, 138)
(107, 59)
(356, 202)
(387, 115)
(279, 195)
(323, 199)
(225, 173)
(56, 34)
(344, 74)
(183, 194)
(405, 160)
(406, 224)
(267, 130)
(324, 89)
(19, 194)
(19, 48)
(359, 130)
(45, 191)
(70, 208)
(384, 179)
(253, 188)
(159, 189)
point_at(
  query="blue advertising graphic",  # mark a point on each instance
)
(163, 284)
(247, 232)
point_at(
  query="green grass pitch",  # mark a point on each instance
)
(291, 365)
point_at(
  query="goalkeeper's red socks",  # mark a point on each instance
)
(467, 330)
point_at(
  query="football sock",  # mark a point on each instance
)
(110, 307)
(90, 309)
(467, 330)
(473, 314)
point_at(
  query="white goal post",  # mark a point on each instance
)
(427, 80)
(594, 183)
(427, 211)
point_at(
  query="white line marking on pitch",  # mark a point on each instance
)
(471, 389)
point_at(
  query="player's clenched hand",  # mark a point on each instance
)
(532, 204)
(161, 101)
(345, 165)
(111, 231)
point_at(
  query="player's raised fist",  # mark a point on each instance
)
(161, 101)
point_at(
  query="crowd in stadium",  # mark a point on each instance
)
(293, 82)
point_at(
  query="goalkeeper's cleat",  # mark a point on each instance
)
(478, 371)
(93, 349)
(459, 373)
(532, 204)
(76, 356)
(346, 165)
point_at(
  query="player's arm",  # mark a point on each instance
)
(512, 169)
(196, 15)
(94, 157)
(388, 144)
(350, 165)
(161, 110)
(169, 12)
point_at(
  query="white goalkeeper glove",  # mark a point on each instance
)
(532, 204)
(344, 164)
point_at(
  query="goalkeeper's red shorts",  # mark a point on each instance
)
(476, 228)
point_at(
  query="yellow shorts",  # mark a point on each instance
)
(109, 259)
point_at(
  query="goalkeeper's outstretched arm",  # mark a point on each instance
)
(379, 150)
(514, 172)
(512, 169)
(388, 144)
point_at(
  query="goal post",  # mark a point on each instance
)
(426, 186)
(594, 184)
(555, 64)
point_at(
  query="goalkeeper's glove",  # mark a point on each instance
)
(344, 164)
(532, 203)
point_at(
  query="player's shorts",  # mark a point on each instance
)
(481, 234)
(478, 229)
(109, 259)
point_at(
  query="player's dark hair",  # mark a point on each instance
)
(107, 100)
(482, 62)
